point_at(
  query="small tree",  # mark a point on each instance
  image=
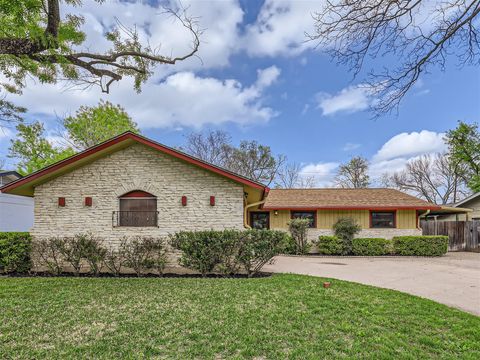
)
(298, 229)
(345, 229)
(47, 253)
(139, 253)
(114, 260)
(258, 247)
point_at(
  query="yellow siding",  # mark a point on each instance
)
(281, 220)
(326, 218)
(406, 219)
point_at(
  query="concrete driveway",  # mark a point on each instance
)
(453, 279)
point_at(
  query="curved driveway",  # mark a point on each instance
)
(453, 279)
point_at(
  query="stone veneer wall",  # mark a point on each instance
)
(136, 168)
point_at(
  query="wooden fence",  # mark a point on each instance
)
(463, 235)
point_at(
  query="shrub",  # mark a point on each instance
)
(371, 246)
(47, 253)
(420, 245)
(202, 251)
(298, 230)
(143, 253)
(114, 260)
(228, 262)
(93, 252)
(73, 250)
(330, 245)
(345, 229)
(15, 248)
(289, 246)
(159, 255)
(258, 247)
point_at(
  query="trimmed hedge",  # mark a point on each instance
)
(420, 245)
(15, 249)
(371, 246)
(330, 245)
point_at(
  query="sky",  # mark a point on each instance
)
(257, 78)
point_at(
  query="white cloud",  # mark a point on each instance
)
(350, 99)
(182, 99)
(280, 28)
(323, 172)
(218, 19)
(351, 146)
(411, 144)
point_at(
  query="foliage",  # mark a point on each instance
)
(93, 125)
(40, 41)
(10, 113)
(278, 317)
(345, 229)
(143, 253)
(258, 247)
(371, 246)
(47, 253)
(73, 251)
(114, 260)
(464, 148)
(353, 174)
(435, 245)
(33, 150)
(15, 249)
(202, 250)
(94, 253)
(289, 246)
(330, 245)
(298, 230)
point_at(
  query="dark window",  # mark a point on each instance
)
(260, 220)
(382, 219)
(137, 209)
(310, 215)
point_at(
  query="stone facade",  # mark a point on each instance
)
(136, 168)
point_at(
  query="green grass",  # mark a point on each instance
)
(285, 316)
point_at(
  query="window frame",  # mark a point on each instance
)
(314, 212)
(393, 212)
(260, 212)
(137, 195)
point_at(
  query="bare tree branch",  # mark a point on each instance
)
(421, 34)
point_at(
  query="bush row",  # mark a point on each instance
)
(400, 245)
(15, 249)
(227, 252)
(142, 254)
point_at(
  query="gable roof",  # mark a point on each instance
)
(467, 199)
(333, 198)
(25, 186)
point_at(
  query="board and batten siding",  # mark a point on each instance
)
(406, 219)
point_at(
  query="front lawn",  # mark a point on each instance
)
(285, 316)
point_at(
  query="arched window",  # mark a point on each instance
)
(137, 208)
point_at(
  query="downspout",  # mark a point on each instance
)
(245, 212)
(424, 215)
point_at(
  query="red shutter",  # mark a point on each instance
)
(184, 201)
(212, 200)
(61, 201)
(88, 201)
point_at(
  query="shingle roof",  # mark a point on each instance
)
(343, 198)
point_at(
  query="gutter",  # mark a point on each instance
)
(245, 212)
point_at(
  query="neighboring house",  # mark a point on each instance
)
(16, 212)
(130, 185)
(471, 203)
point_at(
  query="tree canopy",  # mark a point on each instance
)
(93, 125)
(353, 174)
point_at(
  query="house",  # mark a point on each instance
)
(130, 185)
(16, 212)
(472, 203)
(380, 212)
